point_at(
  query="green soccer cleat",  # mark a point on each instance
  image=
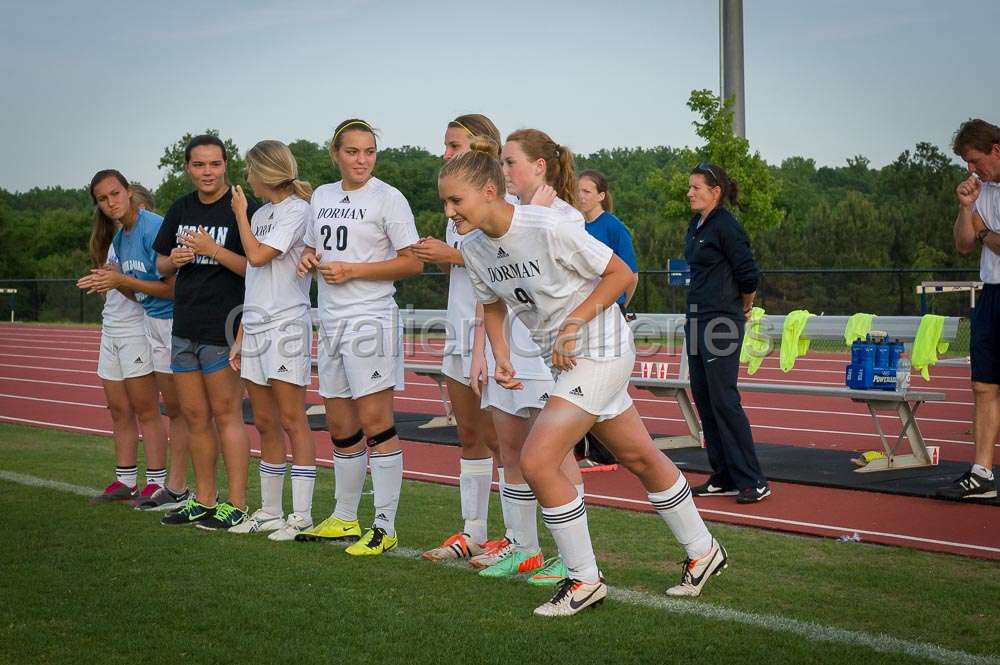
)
(551, 574)
(515, 563)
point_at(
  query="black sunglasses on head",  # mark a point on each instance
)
(704, 167)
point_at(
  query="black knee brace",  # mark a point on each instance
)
(349, 441)
(381, 436)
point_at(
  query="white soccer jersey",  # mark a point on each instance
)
(275, 294)
(988, 207)
(568, 213)
(543, 269)
(526, 357)
(121, 317)
(365, 225)
(461, 300)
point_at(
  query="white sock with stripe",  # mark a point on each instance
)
(127, 475)
(676, 506)
(474, 487)
(387, 479)
(349, 472)
(303, 483)
(156, 477)
(568, 526)
(508, 520)
(523, 508)
(272, 486)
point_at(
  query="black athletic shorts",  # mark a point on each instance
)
(985, 345)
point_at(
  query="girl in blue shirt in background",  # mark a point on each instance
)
(596, 206)
(139, 280)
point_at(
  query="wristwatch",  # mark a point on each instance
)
(981, 236)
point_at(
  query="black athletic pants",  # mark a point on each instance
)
(714, 364)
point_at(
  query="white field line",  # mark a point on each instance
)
(28, 421)
(815, 632)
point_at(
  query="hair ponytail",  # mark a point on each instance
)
(273, 163)
(302, 189)
(565, 180)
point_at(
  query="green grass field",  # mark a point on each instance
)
(109, 585)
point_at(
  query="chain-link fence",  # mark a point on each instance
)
(887, 292)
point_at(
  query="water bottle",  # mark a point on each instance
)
(868, 364)
(903, 374)
(897, 349)
(883, 352)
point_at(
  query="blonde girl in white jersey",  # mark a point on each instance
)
(536, 169)
(490, 418)
(476, 433)
(359, 242)
(563, 284)
(273, 348)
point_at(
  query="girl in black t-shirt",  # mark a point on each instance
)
(200, 242)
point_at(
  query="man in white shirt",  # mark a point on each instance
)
(978, 223)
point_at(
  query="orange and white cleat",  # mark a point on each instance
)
(493, 551)
(456, 546)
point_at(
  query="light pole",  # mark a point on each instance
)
(731, 60)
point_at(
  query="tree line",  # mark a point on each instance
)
(797, 214)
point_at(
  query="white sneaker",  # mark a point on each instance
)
(572, 596)
(260, 521)
(293, 525)
(697, 571)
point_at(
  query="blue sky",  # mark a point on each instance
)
(98, 85)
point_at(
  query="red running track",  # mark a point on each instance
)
(48, 378)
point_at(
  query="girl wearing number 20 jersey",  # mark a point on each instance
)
(358, 241)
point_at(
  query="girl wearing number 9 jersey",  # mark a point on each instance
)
(358, 241)
(571, 281)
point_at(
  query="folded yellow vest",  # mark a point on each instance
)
(793, 344)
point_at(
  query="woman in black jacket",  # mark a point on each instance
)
(724, 280)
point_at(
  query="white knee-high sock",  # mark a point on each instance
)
(303, 484)
(349, 476)
(676, 506)
(523, 508)
(387, 479)
(272, 486)
(508, 520)
(474, 487)
(568, 525)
